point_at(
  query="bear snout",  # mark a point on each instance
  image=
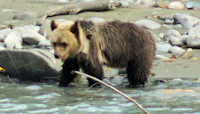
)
(56, 55)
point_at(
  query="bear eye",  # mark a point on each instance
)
(54, 44)
(64, 45)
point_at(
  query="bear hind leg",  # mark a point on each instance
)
(137, 75)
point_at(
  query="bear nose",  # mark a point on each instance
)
(56, 55)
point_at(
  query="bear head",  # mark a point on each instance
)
(67, 39)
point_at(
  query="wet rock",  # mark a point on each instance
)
(12, 40)
(176, 50)
(149, 24)
(29, 64)
(96, 19)
(176, 5)
(31, 37)
(186, 20)
(193, 39)
(163, 47)
(189, 4)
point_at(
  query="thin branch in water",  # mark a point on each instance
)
(10, 79)
(114, 89)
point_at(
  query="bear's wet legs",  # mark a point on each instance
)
(67, 76)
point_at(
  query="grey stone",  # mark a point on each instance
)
(31, 28)
(29, 64)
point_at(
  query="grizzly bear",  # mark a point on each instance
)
(87, 45)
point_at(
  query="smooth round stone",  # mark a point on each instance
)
(189, 4)
(96, 19)
(124, 4)
(5, 32)
(163, 47)
(161, 35)
(176, 5)
(168, 21)
(13, 39)
(172, 32)
(149, 24)
(176, 50)
(197, 5)
(175, 41)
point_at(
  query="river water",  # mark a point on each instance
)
(173, 96)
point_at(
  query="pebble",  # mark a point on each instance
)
(176, 5)
(193, 39)
(149, 24)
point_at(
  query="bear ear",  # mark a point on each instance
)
(53, 25)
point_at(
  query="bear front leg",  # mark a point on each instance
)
(67, 76)
(94, 69)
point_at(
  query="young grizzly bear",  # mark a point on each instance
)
(86, 45)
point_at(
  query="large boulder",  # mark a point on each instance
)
(29, 64)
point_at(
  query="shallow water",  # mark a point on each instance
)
(37, 98)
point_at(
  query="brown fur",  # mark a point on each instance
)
(117, 44)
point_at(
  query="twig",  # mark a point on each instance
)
(114, 89)
(10, 79)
